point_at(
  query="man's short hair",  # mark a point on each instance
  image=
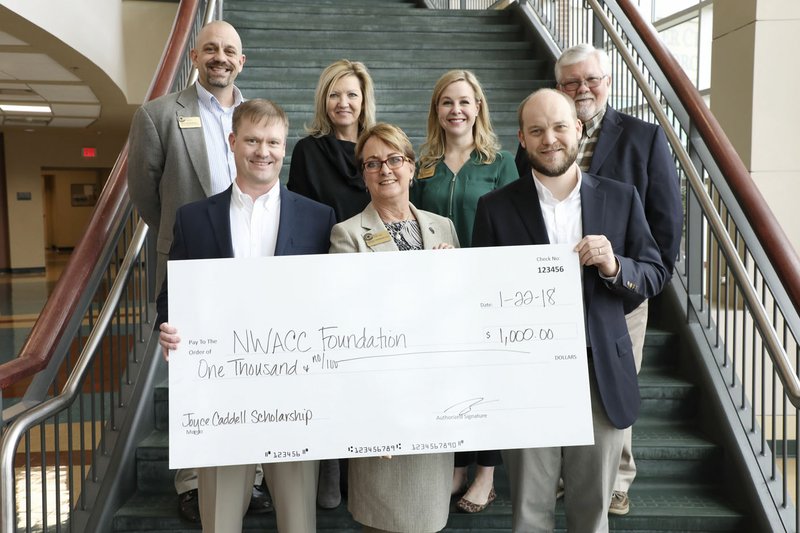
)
(582, 52)
(566, 98)
(258, 111)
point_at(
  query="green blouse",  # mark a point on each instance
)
(455, 196)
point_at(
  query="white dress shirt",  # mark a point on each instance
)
(254, 224)
(563, 219)
(217, 125)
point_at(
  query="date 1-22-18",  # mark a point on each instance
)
(543, 298)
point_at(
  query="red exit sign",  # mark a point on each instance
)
(89, 152)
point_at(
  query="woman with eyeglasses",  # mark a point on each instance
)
(409, 493)
(324, 169)
(461, 161)
(323, 165)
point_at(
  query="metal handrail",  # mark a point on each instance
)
(779, 357)
(738, 283)
(109, 214)
(15, 431)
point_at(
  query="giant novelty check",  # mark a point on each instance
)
(352, 355)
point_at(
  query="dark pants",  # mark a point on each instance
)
(481, 458)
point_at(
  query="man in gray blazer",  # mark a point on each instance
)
(179, 154)
(178, 142)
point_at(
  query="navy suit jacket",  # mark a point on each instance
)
(512, 216)
(636, 152)
(203, 231)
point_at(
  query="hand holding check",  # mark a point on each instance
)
(597, 250)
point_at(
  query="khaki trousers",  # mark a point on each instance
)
(637, 326)
(588, 471)
(225, 491)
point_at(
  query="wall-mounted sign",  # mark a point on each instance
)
(83, 194)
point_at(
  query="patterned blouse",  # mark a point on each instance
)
(406, 234)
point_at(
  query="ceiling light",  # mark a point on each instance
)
(19, 108)
(26, 121)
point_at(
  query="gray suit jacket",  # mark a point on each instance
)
(167, 165)
(356, 233)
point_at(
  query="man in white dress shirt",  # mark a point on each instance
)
(255, 217)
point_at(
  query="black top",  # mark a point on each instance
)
(324, 169)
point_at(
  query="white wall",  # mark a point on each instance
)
(146, 27)
(91, 27)
(27, 155)
(753, 77)
(126, 40)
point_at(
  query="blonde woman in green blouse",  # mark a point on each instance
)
(461, 161)
(461, 158)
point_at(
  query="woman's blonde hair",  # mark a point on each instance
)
(485, 140)
(390, 135)
(321, 125)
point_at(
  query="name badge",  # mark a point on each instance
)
(426, 172)
(189, 122)
(374, 239)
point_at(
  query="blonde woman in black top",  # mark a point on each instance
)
(323, 165)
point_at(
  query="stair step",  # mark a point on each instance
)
(320, 7)
(420, 97)
(662, 449)
(405, 55)
(665, 394)
(359, 37)
(360, 42)
(308, 76)
(265, 59)
(263, 20)
(656, 504)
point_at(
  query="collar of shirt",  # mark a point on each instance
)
(210, 102)
(592, 125)
(562, 218)
(545, 196)
(242, 201)
(254, 223)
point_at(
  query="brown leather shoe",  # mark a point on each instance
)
(466, 506)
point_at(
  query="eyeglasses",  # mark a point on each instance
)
(590, 82)
(394, 162)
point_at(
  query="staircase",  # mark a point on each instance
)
(681, 485)
(406, 49)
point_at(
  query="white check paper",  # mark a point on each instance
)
(352, 355)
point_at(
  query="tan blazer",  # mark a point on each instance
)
(407, 492)
(357, 233)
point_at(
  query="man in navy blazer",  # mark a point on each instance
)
(604, 219)
(203, 230)
(255, 217)
(624, 148)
